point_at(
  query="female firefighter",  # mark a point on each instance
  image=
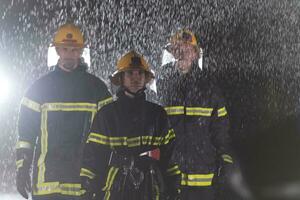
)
(117, 157)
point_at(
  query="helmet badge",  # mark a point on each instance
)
(69, 36)
(136, 61)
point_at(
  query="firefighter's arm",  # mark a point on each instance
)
(29, 126)
(103, 95)
(95, 158)
(169, 170)
(220, 128)
(222, 143)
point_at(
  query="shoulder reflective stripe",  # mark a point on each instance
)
(72, 189)
(87, 173)
(23, 145)
(227, 158)
(196, 179)
(104, 102)
(90, 107)
(173, 170)
(174, 110)
(222, 112)
(109, 181)
(31, 104)
(19, 163)
(199, 111)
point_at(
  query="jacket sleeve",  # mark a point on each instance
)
(170, 170)
(220, 127)
(96, 152)
(29, 125)
(103, 95)
(167, 145)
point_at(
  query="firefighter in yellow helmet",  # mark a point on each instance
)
(55, 116)
(69, 44)
(118, 155)
(197, 112)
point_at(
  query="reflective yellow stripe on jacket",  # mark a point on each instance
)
(194, 111)
(199, 111)
(31, 104)
(19, 163)
(104, 102)
(227, 158)
(196, 179)
(222, 112)
(43, 187)
(88, 107)
(23, 145)
(173, 170)
(131, 141)
(109, 181)
(56, 187)
(87, 173)
(174, 110)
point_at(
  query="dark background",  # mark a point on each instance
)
(250, 46)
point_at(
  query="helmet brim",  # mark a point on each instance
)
(67, 45)
(115, 78)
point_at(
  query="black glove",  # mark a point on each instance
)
(23, 179)
(221, 181)
(88, 195)
(23, 182)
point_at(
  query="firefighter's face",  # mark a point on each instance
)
(69, 57)
(134, 80)
(185, 54)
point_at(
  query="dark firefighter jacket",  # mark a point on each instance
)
(197, 113)
(128, 127)
(55, 117)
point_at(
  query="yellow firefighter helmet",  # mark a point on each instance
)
(68, 35)
(185, 36)
(129, 61)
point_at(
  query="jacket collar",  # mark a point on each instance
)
(81, 68)
(139, 96)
